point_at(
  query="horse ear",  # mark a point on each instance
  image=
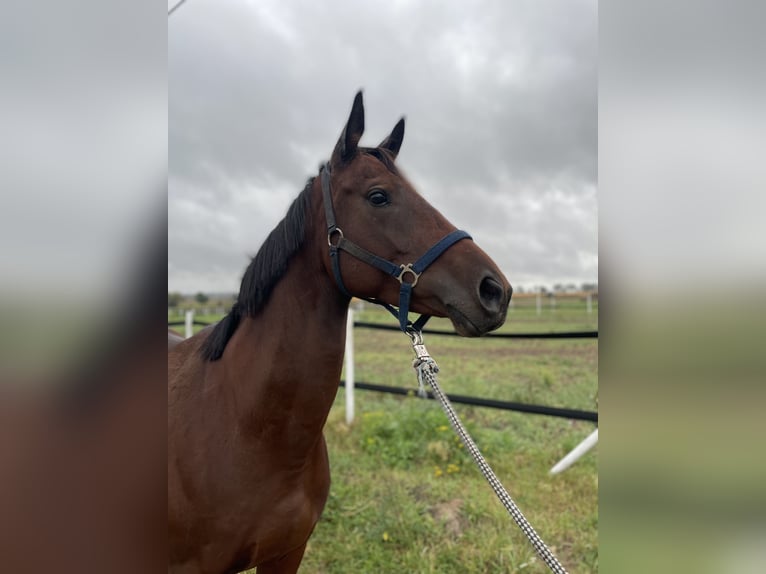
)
(394, 141)
(352, 133)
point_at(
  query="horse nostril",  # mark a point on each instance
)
(491, 294)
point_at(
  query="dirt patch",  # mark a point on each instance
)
(449, 515)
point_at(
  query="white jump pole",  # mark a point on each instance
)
(576, 453)
(350, 367)
(589, 301)
(189, 323)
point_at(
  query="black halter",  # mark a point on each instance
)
(397, 271)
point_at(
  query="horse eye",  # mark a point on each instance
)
(378, 198)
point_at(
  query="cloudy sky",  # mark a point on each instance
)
(501, 105)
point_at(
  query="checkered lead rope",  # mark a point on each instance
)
(426, 369)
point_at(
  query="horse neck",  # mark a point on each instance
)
(286, 361)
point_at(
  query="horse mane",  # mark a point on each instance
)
(265, 270)
(270, 263)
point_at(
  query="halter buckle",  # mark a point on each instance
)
(408, 269)
(330, 233)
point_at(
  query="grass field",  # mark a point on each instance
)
(405, 496)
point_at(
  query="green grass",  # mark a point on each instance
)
(405, 497)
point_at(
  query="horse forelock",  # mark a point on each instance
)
(383, 156)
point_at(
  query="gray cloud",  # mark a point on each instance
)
(501, 106)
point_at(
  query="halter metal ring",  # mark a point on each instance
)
(415, 336)
(408, 269)
(331, 233)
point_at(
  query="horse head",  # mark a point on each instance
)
(378, 225)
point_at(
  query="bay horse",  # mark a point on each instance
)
(248, 471)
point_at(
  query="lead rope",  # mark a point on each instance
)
(426, 369)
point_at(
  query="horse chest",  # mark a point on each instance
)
(247, 534)
(290, 504)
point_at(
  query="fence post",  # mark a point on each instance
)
(589, 303)
(539, 302)
(350, 367)
(576, 453)
(189, 323)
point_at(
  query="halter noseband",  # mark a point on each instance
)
(399, 272)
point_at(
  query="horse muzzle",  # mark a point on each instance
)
(485, 310)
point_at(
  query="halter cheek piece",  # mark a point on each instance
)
(407, 275)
